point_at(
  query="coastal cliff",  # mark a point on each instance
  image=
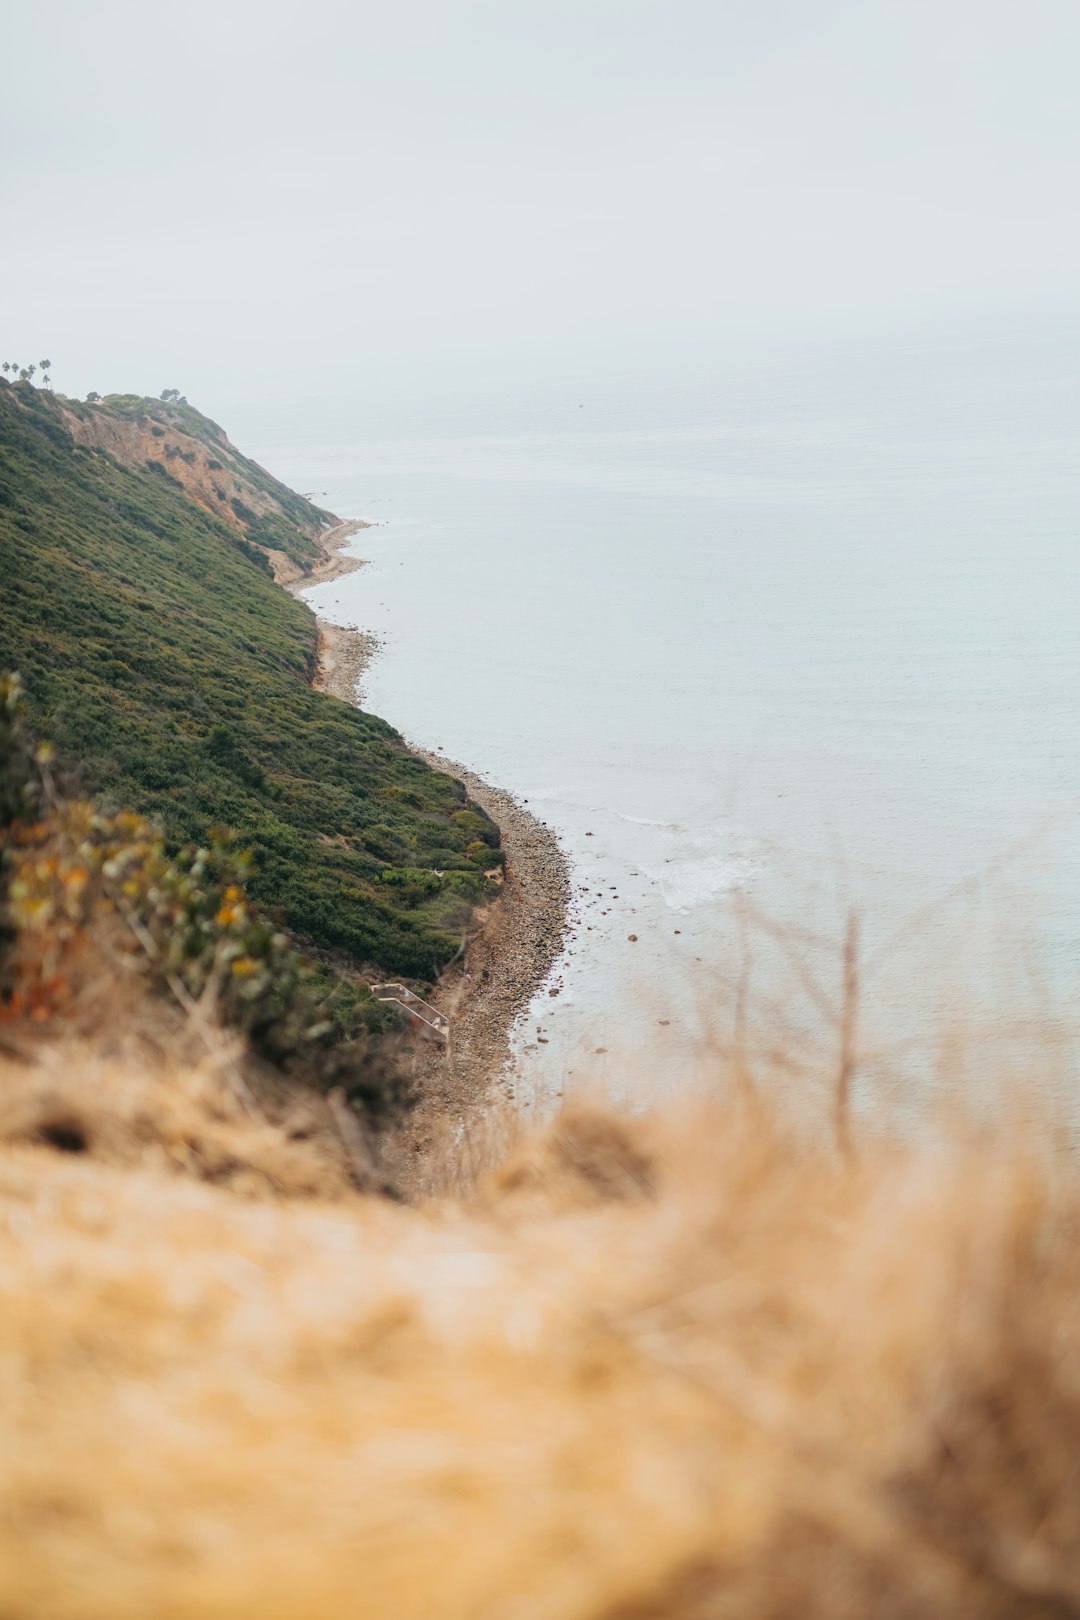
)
(170, 437)
(174, 678)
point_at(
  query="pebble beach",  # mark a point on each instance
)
(508, 959)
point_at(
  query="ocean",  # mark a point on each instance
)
(773, 637)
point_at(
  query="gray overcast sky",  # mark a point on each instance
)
(199, 192)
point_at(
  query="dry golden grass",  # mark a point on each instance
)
(652, 1370)
(202, 1122)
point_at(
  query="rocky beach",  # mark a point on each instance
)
(502, 965)
(507, 960)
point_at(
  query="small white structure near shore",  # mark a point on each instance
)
(436, 1024)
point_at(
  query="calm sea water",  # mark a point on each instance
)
(784, 637)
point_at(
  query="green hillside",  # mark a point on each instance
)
(172, 672)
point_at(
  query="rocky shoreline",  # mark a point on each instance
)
(343, 656)
(483, 993)
(335, 561)
(520, 937)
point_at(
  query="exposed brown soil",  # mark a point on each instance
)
(211, 475)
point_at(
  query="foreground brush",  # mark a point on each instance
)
(676, 1370)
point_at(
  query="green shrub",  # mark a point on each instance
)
(476, 826)
(160, 468)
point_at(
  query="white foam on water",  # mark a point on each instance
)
(688, 881)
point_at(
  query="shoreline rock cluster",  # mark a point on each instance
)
(491, 985)
(343, 655)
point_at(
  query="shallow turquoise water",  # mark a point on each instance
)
(767, 641)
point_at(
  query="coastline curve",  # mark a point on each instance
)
(503, 963)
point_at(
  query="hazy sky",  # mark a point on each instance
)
(222, 194)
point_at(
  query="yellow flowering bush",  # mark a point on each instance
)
(74, 874)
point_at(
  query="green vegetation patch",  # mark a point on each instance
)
(157, 653)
